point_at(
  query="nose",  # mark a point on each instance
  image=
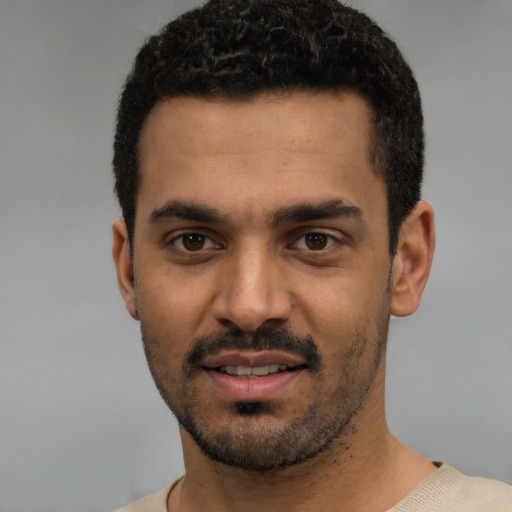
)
(251, 293)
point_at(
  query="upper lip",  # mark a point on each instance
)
(252, 359)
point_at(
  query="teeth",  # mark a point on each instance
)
(258, 371)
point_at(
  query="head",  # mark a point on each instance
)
(238, 49)
(268, 163)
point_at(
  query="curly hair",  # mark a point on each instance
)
(240, 48)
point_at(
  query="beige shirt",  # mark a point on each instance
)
(446, 490)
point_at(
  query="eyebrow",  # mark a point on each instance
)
(302, 212)
(184, 210)
(313, 211)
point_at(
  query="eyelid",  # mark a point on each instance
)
(334, 239)
(175, 236)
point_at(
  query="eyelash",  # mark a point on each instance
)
(181, 240)
(331, 241)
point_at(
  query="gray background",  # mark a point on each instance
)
(82, 427)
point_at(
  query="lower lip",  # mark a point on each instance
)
(252, 389)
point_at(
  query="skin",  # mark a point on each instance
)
(250, 161)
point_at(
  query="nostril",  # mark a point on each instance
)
(247, 326)
(229, 324)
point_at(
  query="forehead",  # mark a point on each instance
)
(258, 154)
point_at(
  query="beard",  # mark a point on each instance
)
(250, 437)
(255, 443)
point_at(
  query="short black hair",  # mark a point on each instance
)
(241, 48)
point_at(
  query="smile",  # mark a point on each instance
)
(252, 376)
(253, 371)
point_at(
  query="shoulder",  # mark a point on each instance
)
(156, 502)
(449, 490)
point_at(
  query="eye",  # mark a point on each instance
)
(316, 241)
(192, 242)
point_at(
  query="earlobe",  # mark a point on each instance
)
(123, 263)
(413, 259)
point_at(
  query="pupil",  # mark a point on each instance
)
(316, 241)
(193, 242)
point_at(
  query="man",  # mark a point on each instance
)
(268, 162)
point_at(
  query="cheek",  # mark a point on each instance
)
(172, 307)
(339, 311)
(334, 302)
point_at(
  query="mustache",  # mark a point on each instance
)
(263, 338)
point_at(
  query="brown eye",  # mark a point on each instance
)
(193, 241)
(192, 247)
(316, 241)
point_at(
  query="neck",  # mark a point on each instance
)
(365, 469)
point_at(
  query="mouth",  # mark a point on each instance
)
(253, 377)
(256, 371)
(253, 364)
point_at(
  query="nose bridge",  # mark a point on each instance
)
(251, 292)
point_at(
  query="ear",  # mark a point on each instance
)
(123, 263)
(413, 259)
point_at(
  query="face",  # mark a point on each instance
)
(261, 270)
